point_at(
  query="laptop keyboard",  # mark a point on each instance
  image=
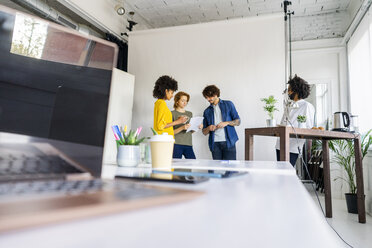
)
(47, 187)
(124, 189)
(13, 167)
(44, 176)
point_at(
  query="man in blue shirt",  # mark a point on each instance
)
(220, 119)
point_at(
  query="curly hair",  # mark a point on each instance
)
(164, 83)
(299, 86)
(178, 96)
(211, 90)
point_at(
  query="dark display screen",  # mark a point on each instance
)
(54, 83)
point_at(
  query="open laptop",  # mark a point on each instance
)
(54, 93)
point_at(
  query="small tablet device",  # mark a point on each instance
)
(165, 177)
(207, 173)
(226, 174)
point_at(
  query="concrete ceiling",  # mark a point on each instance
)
(313, 19)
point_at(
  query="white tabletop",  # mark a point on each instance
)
(258, 209)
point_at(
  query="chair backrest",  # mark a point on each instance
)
(316, 157)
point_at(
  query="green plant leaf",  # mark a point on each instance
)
(139, 141)
(344, 157)
(270, 100)
(153, 131)
(366, 142)
(270, 106)
(131, 138)
(301, 118)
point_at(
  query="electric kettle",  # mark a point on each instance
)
(341, 121)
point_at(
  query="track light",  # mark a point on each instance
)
(131, 25)
(119, 9)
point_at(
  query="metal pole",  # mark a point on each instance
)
(290, 45)
(286, 44)
(286, 52)
(288, 40)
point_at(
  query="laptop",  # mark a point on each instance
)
(54, 94)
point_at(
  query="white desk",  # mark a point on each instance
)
(260, 209)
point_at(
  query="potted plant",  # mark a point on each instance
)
(344, 157)
(301, 119)
(128, 146)
(270, 109)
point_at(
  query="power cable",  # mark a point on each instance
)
(312, 184)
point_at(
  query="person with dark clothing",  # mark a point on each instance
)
(220, 119)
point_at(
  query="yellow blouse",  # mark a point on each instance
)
(162, 117)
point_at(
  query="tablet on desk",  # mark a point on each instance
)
(204, 173)
(164, 177)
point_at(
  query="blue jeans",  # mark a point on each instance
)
(186, 151)
(292, 157)
(221, 152)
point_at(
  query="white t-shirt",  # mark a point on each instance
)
(304, 108)
(219, 134)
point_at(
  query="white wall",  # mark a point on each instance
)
(245, 58)
(119, 110)
(367, 172)
(324, 61)
(359, 51)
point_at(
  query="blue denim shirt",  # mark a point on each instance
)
(228, 113)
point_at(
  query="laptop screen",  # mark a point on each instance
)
(54, 89)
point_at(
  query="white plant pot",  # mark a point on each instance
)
(271, 123)
(128, 155)
(302, 125)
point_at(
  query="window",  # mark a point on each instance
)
(29, 36)
(360, 71)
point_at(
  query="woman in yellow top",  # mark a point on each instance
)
(164, 88)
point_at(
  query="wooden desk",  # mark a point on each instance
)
(284, 133)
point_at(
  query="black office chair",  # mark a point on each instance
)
(315, 169)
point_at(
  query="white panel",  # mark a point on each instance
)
(245, 58)
(99, 11)
(360, 76)
(120, 110)
(360, 85)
